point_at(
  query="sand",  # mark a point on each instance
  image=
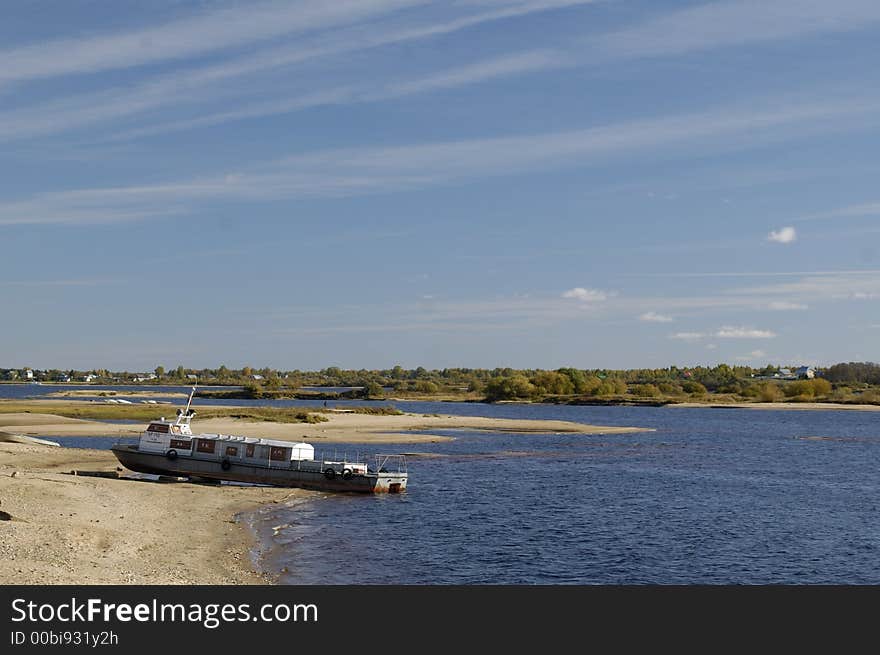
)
(340, 427)
(79, 393)
(84, 530)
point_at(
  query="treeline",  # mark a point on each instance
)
(767, 384)
(853, 372)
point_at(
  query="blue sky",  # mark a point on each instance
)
(479, 183)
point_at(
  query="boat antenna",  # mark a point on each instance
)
(187, 413)
(190, 399)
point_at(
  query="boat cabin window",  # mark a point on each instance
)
(232, 451)
(279, 454)
(158, 427)
(249, 450)
(205, 445)
(181, 444)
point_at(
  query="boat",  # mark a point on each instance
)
(169, 447)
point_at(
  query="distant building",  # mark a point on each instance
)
(90, 377)
(257, 377)
(29, 374)
(805, 373)
(192, 376)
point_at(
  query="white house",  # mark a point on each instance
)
(805, 372)
(29, 374)
(90, 377)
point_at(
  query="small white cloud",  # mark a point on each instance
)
(861, 295)
(728, 332)
(688, 336)
(785, 306)
(784, 235)
(711, 346)
(586, 295)
(654, 317)
(755, 354)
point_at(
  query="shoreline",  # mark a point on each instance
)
(339, 427)
(68, 529)
(782, 406)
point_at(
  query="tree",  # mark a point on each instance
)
(509, 388)
(550, 382)
(577, 377)
(254, 389)
(373, 390)
(159, 371)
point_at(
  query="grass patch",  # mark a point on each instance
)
(380, 410)
(99, 412)
(270, 414)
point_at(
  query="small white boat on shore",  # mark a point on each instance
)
(170, 448)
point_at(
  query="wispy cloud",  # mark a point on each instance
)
(485, 70)
(187, 37)
(737, 22)
(496, 67)
(729, 332)
(348, 172)
(688, 336)
(654, 317)
(850, 211)
(726, 332)
(784, 235)
(786, 306)
(586, 295)
(752, 356)
(213, 82)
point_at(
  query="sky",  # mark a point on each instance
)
(465, 183)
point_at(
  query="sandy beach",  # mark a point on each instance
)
(69, 529)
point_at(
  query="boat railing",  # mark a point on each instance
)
(384, 463)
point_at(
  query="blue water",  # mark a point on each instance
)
(712, 496)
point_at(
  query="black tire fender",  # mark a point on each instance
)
(171, 454)
(346, 474)
(329, 474)
(226, 465)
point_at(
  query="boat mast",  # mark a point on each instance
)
(184, 416)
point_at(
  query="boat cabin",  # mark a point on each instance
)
(165, 436)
